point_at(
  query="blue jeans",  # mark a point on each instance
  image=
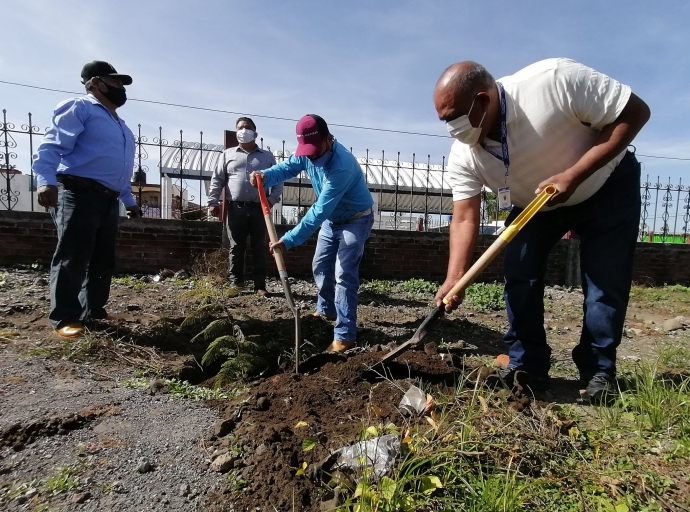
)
(607, 224)
(339, 250)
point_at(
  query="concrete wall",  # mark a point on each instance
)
(147, 245)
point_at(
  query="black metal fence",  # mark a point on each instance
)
(413, 195)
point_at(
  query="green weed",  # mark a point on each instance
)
(485, 297)
(183, 389)
(377, 287)
(63, 480)
(419, 287)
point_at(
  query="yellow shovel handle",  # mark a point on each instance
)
(502, 240)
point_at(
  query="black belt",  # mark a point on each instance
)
(72, 182)
(245, 204)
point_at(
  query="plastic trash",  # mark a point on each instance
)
(376, 455)
(414, 401)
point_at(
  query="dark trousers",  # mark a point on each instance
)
(84, 259)
(607, 224)
(243, 222)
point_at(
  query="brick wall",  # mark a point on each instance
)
(147, 245)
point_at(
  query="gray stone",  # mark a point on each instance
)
(636, 332)
(144, 466)
(223, 463)
(184, 490)
(80, 498)
(673, 324)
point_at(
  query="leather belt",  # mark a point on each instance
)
(246, 204)
(72, 182)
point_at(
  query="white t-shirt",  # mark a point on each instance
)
(548, 104)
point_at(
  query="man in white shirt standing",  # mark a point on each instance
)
(560, 122)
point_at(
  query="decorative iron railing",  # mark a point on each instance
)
(413, 195)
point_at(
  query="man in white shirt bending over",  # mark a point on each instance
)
(560, 122)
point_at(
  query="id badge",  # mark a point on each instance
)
(504, 203)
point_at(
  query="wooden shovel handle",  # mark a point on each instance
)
(272, 235)
(502, 240)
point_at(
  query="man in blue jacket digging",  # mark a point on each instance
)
(344, 210)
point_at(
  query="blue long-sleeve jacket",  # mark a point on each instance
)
(338, 182)
(86, 140)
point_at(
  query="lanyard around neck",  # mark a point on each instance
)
(505, 155)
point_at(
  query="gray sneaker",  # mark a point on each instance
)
(601, 389)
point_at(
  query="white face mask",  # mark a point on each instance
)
(245, 135)
(462, 130)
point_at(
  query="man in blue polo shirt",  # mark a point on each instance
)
(83, 167)
(343, 210)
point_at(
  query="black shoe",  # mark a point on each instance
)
(601, 389)
(514, 377)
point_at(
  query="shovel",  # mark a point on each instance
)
(280, 263)
(476, 269)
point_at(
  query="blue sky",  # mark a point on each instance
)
(355, 62)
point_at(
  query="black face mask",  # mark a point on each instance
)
(115, 95)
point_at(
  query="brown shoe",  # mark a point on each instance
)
(340, 346)
(261, 292)
(330, 318)
(71, 331)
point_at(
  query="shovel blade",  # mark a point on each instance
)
(418, 335)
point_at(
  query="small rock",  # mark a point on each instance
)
(80, 498)
(223, 427)
(431, 349)
(30, 493)
(144, 466)
(260, 450)
(636, 332)
(263, 403)
(224, 463)
(372, 304)
(182, 274)
(185, 490)
(673, 324)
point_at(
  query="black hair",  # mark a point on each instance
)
(321, 125)
(248, 120)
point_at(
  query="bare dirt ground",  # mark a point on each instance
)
(74, 435)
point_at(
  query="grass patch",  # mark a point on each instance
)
(62, 480)
(476, 453)
(183, 389)
(660, 297)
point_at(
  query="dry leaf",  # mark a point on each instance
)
(301, 424)
(482, 401)
(429, 403)
(376, 410)
(432, 422)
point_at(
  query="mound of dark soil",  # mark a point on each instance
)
(338, 402)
